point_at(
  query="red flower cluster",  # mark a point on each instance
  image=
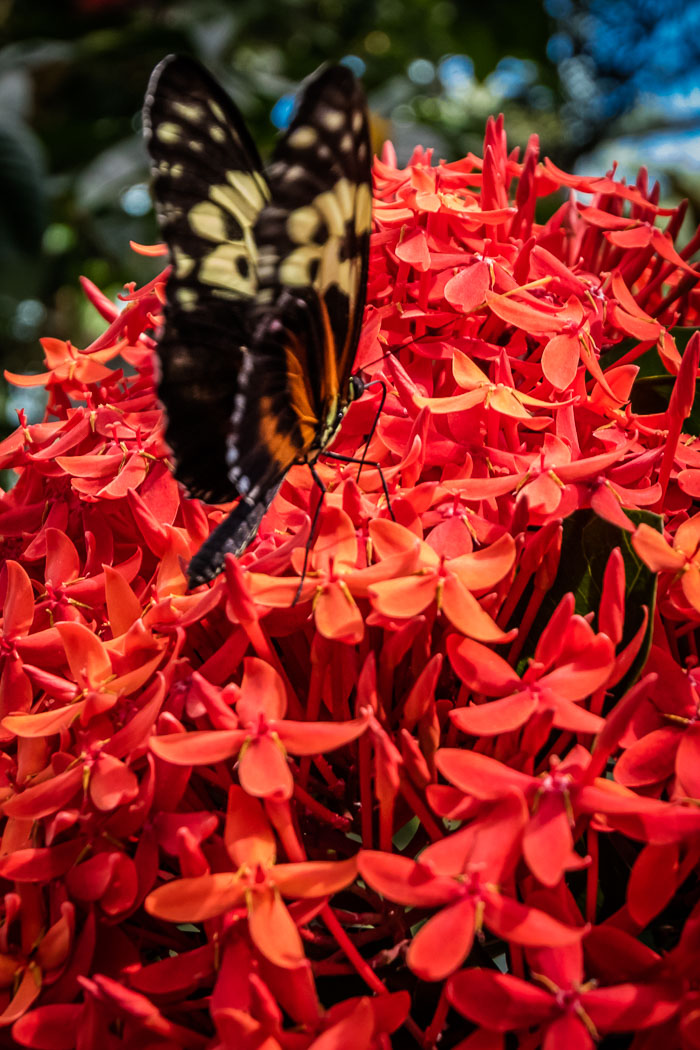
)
(453, 789)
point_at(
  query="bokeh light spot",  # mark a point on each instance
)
(421, 71)
(136, 200)
(281, 112)
(377, 42)
(355, 63)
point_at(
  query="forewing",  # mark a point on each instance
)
(313, 244)
(209, 191)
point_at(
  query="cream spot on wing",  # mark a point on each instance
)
(248, 192)
(302, 137)
(357, 121)
(345, 143)
(187, 298)
(363, 208)
(295, 269)
(195, 146)
(189, 110)
(220, 268)
(230, 294)
(208, 221)
(168, 132)
(332, 119)
(183, 263)
(336, 207)
(217, 133)
(217, 111)
(302, 224)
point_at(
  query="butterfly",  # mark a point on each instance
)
(265, 298)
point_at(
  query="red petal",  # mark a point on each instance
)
(464, 612)
(43, 799)
(480, 668)
(498, 716)
(248, 836)
(273, 930)
(560, 360)
(337, 615)
(62, 560)
(315, 738)
(651, 760)
(197, 899)
(522, 925)
(654, 551)
(652, 882)
(481, 776)
(499, 1001)
(547, 842)
(318, 878)
(688, 761)
(18, 610)
(403, 880)
(413, 249)
(335, 548)
(625, 1007)
(112, 783)
(88, 659)
(50, 1027)
(262, 689)
(263, 769)
(480, 570)
(467, 289)
(404, 597)
(443, 943)
(199, 748)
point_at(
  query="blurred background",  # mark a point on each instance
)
(598, 80)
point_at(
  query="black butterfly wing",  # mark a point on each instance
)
(209, 190)
(256, 364)
(313, 248)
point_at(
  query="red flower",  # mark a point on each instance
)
(257, 884)
(477, 793)
(264, 738)
(462, 874)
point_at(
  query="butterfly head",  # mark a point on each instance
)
(356, 388)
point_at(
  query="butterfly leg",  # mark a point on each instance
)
(314, 523)
(364, 463)
(368, 442)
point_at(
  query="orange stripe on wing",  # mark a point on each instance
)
(299, 391)
(281, 446)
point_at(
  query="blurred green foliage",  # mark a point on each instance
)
(73, 176)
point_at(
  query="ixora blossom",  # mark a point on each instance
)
(444, 784)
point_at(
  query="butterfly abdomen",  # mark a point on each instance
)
(232, 536)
